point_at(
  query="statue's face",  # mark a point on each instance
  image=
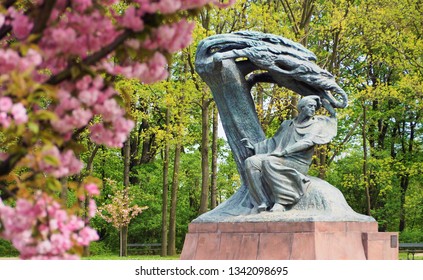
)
(309, 109)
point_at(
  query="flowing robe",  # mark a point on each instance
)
(284, 178)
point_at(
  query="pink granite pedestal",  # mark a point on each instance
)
(289, 241)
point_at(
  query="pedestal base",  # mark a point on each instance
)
(289, 241)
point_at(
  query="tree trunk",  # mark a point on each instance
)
(90, 162)
(126, 167)
(175, 184)
(165, 188)
(123, 241)
(404, 186)
(322, 153)
(365, 167)
(213, 201)
(405, 179)
(204, 155)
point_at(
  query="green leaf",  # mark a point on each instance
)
(33, 127)
(53, 184)
(52, 160)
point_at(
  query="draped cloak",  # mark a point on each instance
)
(284, 178)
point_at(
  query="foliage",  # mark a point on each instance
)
(411, 236)
(7, 249)
(98, 248)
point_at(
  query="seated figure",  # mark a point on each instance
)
(276, 174)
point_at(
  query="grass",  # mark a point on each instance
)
(403, 256)
(131, 257)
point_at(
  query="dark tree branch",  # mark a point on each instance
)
(6, 193)
(8, 3)
(4, 30)
(43, 16)
(8, 165)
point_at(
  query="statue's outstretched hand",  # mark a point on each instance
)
(247, 143)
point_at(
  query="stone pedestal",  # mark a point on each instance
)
(289, 241)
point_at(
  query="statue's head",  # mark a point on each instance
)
(310, 99)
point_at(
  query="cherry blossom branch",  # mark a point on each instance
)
(92, 59)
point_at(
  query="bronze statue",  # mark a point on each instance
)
(277, 172)
(273, 171)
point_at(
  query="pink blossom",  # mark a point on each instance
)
(171, 37)
(86, 235)
(109, 110)
(169, 6)
(11, 112)
(29, 62)
(60, 242)
(132, 20)
(2, 20)
(92, 189)
(67, 163)
(100, 135)
(43, 235)
(157, 69)
(5, 120)
(92, 208)
(3, 156)
(44, 247)
(81, 117)
(123, 126)
(133, 43)
(63, 38)
(84, 83)
(21, 25)
(5, 104)
(8, 60)
(191, 4)
(19, 113)
(81, 5)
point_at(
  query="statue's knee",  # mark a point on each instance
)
(252, 163)
(248, 163)
(267, 163)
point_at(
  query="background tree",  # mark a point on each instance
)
(119, 212)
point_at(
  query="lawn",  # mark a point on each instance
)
(131, 257)
(402, 256)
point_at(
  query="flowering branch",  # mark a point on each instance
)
(92, 59)
(53, 88)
